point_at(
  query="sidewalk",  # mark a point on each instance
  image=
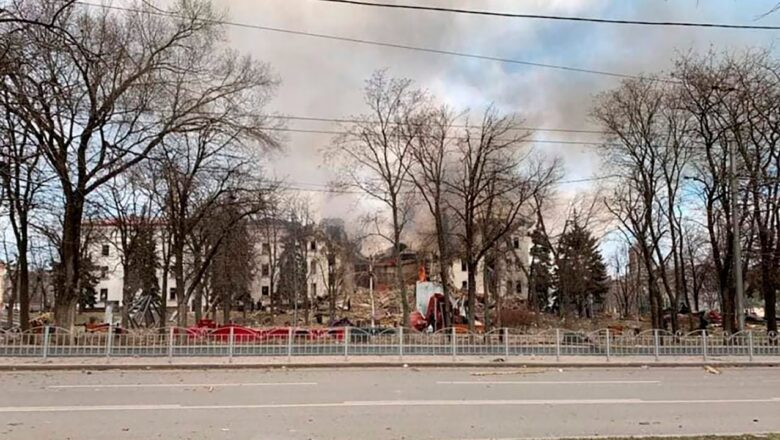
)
(149, 363)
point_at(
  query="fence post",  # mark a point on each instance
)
(232, 344)
(346, 343)
(704, 345)
(401, 342)
(608, 353)
(557, 344)
(109, 340)
(45, 342)
(454, 348)
(506, 342)
(655, 342)
(750, 345)
(170, 343)
(289, 343)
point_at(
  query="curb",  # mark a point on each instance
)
(368, 365)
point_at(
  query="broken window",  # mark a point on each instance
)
(313, 268)
(105, 250)
(313, 245)
(172, 293)
(266, 249)
(313, 289)
(266, 290)
(265, 270)
(103, 295)
(516, 242)
(463, 267)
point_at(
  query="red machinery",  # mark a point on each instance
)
(434, 317)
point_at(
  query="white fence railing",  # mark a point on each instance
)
(232, 342)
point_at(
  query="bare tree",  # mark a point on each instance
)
(201, 172)
(624, 291)
(98, 108)
(709, 93)
(375, 156)
(496, 179)
(431, 169)
(22, 178)
(129, 216)
(648, 150)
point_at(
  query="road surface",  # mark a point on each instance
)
(377, 404)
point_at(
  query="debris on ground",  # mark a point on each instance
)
(711, 370)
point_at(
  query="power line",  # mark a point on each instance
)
(525, 141)
(355, 121)
(385, 44)
(558, 17)
(323, 188)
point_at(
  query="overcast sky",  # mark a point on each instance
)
(324, 78)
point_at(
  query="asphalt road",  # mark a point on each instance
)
(381, 404)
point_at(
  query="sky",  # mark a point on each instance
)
(325, 78)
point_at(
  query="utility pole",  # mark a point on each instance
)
(738, 282)
(371, 290)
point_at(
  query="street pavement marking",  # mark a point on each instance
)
(182, 385)
(377, 403)
(543, 382)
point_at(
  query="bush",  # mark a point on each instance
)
(518, 318)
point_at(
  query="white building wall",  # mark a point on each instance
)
(109, 267)
(266, 243)
(515, 280)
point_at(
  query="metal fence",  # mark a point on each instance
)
(344, 341)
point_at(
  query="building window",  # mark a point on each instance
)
(313, 245)
(104, 272)
(104, 250)
(313, 268)
(103, 295)
(519, 287)
(313, 289)
(172, 293)
(266, 249)
(463, 267)
(265, 270)
(516, 242)
(464, 285)
(266, 290)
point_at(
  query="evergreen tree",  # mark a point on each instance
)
(142, 262)
(581, 272)
(541, 281)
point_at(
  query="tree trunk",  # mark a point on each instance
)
(227, 307)
(399, 272)
(68, 294)
(127, 295)
(164, 295)
(768, 289)
(12, 302)
(472, 292)
(178, 273)
(331, 277)
(24, 286)
(197, 298)
(444, 267)
(486, 289)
